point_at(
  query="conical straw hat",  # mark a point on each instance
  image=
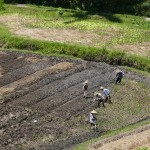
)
(118, 70)
(101, 88)
(86, 82)
(93, 112)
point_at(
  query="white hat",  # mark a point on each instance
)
(86, 82)
(93, 112)
(118, 70)
(101, 88)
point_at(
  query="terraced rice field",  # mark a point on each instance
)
(42, 104)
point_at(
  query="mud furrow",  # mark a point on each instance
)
(22, 72)
(4, 57)
(70, 97)
(30, 79)
(13, 65)
(55, 87)
(42, 82)
(78, 103)
(71, 141)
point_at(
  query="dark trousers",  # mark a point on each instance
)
(118, 80)
(108, 99)
(101, 101)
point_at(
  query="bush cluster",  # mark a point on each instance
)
(115, 6)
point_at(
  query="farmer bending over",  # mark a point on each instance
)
(99, 98)
(93, 119)
(106, 94)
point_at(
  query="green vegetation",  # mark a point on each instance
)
(115, 6)
(84, 146)
(129, 106)
(143, 148)
(2, 5)
(120, 29)
(7, 41)
(145, 73)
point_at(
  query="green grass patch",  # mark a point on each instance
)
(84, 146)
(118, 29)
(126, 113)
(145, 73)
(143, 148)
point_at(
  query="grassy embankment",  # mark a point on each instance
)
(85, 145)
(112, 29)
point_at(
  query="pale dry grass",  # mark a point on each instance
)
(129, 141)
(32, 59)
(17, 24)
(141, 48)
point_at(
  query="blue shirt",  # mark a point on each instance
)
(106, 92)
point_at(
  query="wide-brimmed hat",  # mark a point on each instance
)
(86, 82)
(97, 93)
(93, 112)
(118, 70)
(101, 88)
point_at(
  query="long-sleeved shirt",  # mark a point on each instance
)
(106, 92)
(92, 118)
(85, 87)
(98, 97)
(120, 74)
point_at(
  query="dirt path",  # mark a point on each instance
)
(128, 141)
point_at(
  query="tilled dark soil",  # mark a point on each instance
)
(51, 112)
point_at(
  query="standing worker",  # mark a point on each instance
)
(93, 119)
(119, 76)
(85, 87)
(106, 94)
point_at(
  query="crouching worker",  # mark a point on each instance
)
(106, 93)
(85, 87)
(99, 98)
(93, 120)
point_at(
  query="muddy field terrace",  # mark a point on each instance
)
(42, 104)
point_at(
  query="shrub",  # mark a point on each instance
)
(144, 8)
(116, 57)
(2, 5)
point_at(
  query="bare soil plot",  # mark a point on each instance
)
(42, 107)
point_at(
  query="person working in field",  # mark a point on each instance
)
(119, 76)
(106, 94)
(85, 88)
(99, 98)
(93, 120)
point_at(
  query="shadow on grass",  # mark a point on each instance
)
(83, 16)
